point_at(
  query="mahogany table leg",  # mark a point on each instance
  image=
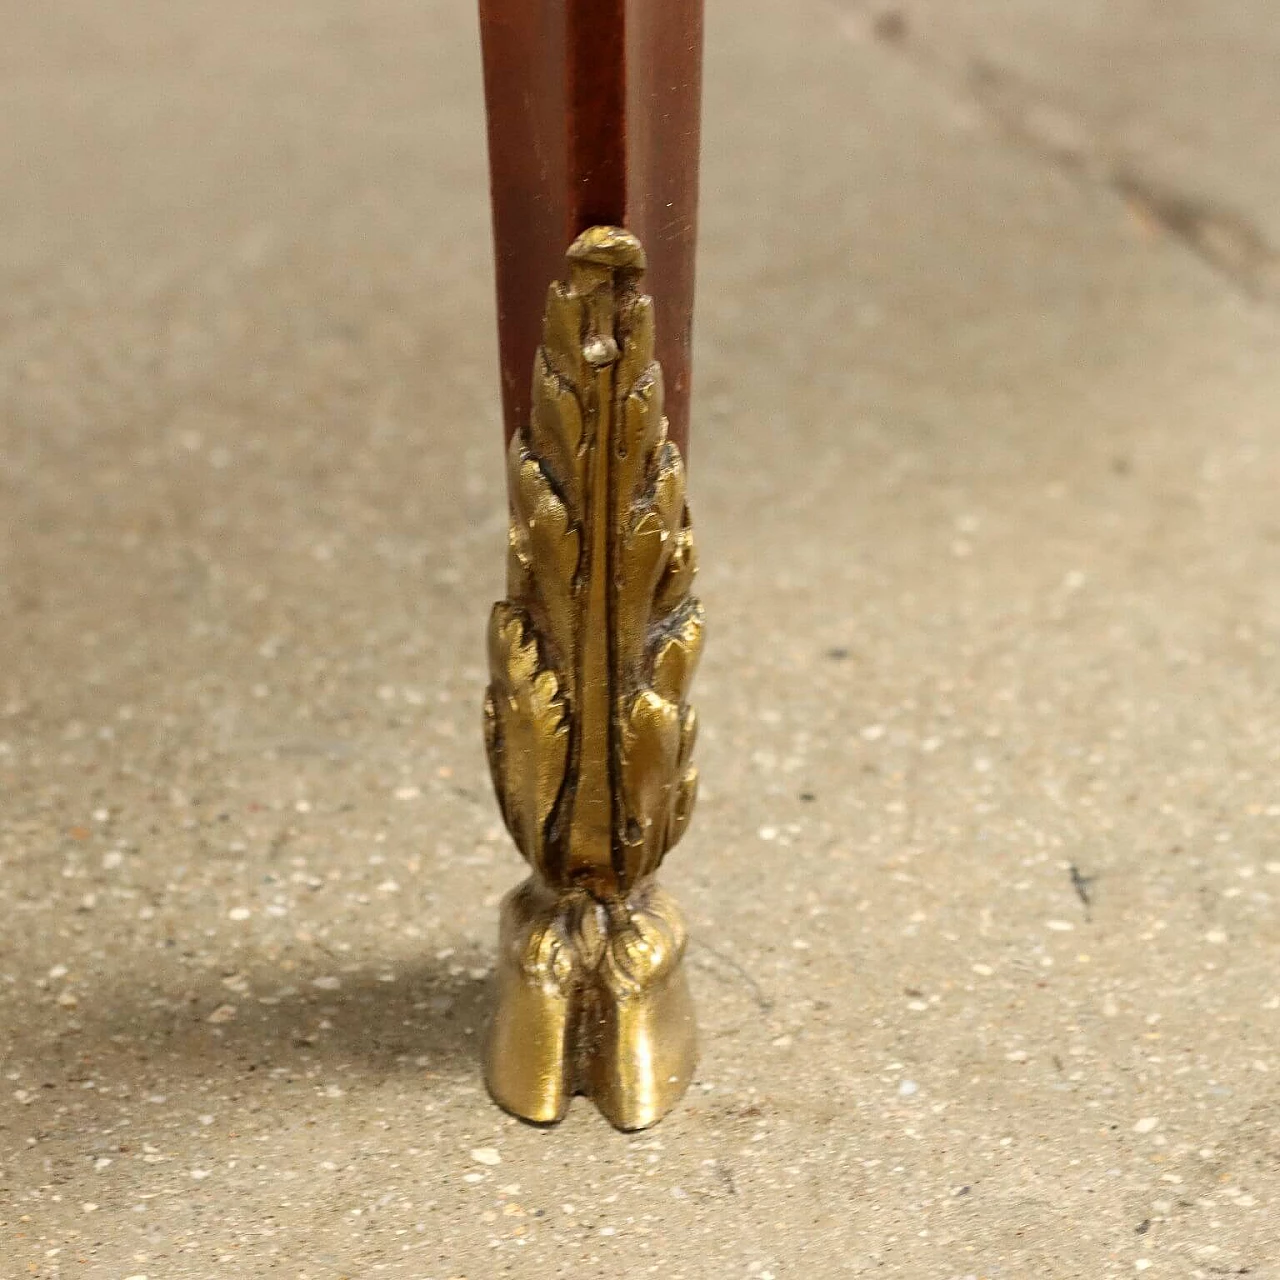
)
(594, 110)
(593, 127)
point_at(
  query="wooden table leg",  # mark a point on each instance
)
(593, 135)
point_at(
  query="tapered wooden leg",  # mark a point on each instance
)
(588, 726)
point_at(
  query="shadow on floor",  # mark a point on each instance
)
(238, 1036)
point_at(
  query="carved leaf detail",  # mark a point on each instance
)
(548, 545)
(526, 730)
(659, 622)
(600, 546)
(650, 750)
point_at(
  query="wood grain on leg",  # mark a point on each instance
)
(594, 110)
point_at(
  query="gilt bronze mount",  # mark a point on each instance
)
(587, 722)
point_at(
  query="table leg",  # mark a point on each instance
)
(591, 654)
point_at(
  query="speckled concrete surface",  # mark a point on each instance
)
(984, 881)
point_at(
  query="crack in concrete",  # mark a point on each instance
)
(1225, 239)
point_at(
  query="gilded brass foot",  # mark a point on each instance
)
(541, 980)
(592, 999)
(587, 725)
(645, 1038)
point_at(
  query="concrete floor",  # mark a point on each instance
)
(984, 883)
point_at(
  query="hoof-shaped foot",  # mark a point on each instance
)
(592, 998)
(646, 1037)
(529, 1064)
